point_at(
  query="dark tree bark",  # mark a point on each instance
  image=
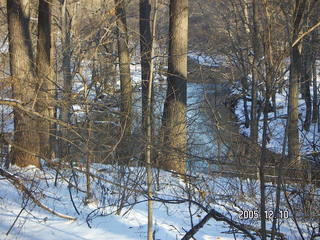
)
(125, 79)
(314, 34)
(315, 111)
(305, 86)
(145, 52)
(255, 74)
(274, 102)
(44, 75)
(174, 116)
(306, 76)
(245, 108)
(26, 140)
(308, 58)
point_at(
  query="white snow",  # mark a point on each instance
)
(170, 221)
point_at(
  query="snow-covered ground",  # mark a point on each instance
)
(170, 220)
(21, 219)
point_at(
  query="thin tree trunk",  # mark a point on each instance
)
(88, 157)
(268, 83)
(314, 34)
(149, 127)
(245, 108)
(274, 102)
(306, 80)
(44, 75)
(278, 185)
(254, 92)
(174, 116)
(26, 140)
(315, 112)
(125, 79)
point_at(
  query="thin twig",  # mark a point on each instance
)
(17, 217)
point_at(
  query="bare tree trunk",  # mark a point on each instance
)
(245, 108)
(88, 143)
(145, 52)
(305, 85)
(125, 79)
(307, 60)
(315, 111)
(314, 34)
(270, 72)
(267, 41)
(308, 55)
(255, 72)
(53, 84)
(67, 77)
(44, 75)
(295, 75)
(149, 127)
(293, 134)
(261, 168)
(274, 102)
(26, 140)
(278, 185)
(174, 116)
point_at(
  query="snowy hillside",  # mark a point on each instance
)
(100, 219)
(21, 219)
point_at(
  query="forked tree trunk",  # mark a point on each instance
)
(125, 80)
(44, 75)
(174, 116)
(26, 140)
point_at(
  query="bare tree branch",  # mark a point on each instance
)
(305, 33)
(20, 186)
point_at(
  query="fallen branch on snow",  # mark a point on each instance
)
(245, 229)
(21, 187)
(218, 217)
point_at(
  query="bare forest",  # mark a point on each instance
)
(159, 119)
